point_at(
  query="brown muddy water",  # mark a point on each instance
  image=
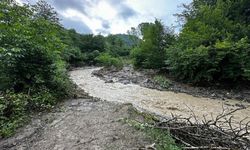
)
(163, 103)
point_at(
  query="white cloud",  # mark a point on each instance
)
(93, 23)
(113, 16)
(148, 10)
(102, 10)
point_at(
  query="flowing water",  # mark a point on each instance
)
(163, 103)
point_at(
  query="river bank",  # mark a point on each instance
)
(163, 103)
(105, 114)
(82, 123)
(145, 78)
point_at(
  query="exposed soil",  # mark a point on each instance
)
(85, 123)
(144, 78)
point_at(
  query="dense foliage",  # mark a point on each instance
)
(81, 49)
(108, 60)
(87, 49)
(213, 45)
(32, 72)
(150, 52)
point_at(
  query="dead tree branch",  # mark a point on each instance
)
(219, 132)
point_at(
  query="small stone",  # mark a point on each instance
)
(240, 105)
(78, 141)
(126, 82)
(109, 81)
(115, 138)
(74, 103)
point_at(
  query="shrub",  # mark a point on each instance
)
(73, 56)
(150, 53)
(12, 112)
(225, 61)
(108, 61)
(90, 57)
(138, 57)
(162, 81)
(28, 67)
(42, 100)
(163, 139)
(31, 64)
(214, 44)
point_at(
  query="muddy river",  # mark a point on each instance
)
(162, 103)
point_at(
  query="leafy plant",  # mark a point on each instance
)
(162, 81)
(32, 72)
(151, 53)
(162, 139)
(12, 112)
(213, 45)
(108, 61)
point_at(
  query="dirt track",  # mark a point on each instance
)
(79, 124)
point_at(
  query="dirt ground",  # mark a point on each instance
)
(79, 124)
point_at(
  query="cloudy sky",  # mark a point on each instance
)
(113, 16)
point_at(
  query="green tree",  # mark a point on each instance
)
(151, 51)
(117, 45)
(45, 11)
(214, 42)
(32, 72)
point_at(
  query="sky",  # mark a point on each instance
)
(113, 16)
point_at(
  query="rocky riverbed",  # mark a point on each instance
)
(144, 78)
(163, 103)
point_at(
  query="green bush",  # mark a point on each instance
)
(42, 100)
(27, 67)
(62, 86)
(213, 45)
(150, 52)
(73, 56)
(32, 64)
(15, 107)
(224, 61)
(163, 139)
(30, 51)
(108, 61)
(91, 57)
(138, 57)
(162, 81)
(12, 112)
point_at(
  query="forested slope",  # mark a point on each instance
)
(212, 46)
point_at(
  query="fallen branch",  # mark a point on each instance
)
(219, 132)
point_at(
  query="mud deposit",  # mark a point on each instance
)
(163, 103)
(145, 77)
(79, 124)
